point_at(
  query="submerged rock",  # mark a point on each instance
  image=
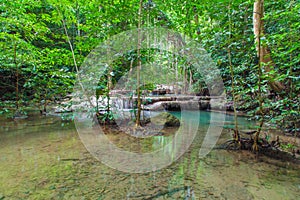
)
(165, 119)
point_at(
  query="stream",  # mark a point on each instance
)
(42, 157)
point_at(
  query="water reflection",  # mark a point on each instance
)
(30, 169)
(136, 155)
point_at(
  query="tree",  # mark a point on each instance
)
(139, 67)
(43, 45)
(263, 52)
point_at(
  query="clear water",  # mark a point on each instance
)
(43, 158)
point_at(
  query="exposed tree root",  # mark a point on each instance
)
(262, 146)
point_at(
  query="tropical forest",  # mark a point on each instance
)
(150, 99)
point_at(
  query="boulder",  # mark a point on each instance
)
(165, 119)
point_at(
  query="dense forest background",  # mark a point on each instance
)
(44, 42)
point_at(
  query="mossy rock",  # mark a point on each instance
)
(165, 119)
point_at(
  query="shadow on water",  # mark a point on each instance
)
(43, 158)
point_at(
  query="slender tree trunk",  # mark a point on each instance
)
(184, 79)
(45, 102)
(78, 24)
(17, 76)
(263, 54)
(236, 128)
(74, 58)
(263, 59)
(139, 102)
(176, 76)
(109, 79)
(130, 74)
(109, 85)
(260, 100)
(191, 81)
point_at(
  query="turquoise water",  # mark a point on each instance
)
(205, 118)
(44, 158)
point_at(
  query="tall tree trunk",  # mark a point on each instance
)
(184, 80)
(130, 74)
(139, 102)
(176, 76)
(264, 59)
(17, 77)
(262, 52)
(73, 56)
(109, 79)
(236, 128)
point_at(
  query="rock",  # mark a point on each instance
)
(229, 106)
(171, 106)
(19, 115)
(159, 92)
(174, 105)
(165, 119)
(156, 106)
(248, 131)
(61, 109)
(204, 105)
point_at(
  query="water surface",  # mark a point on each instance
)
(43, 158)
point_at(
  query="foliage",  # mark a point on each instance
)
(36, 61)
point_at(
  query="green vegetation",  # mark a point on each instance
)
(44, 42)
(44, 47)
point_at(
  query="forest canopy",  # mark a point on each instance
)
(44, 42)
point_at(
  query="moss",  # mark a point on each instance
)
(165, 119)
